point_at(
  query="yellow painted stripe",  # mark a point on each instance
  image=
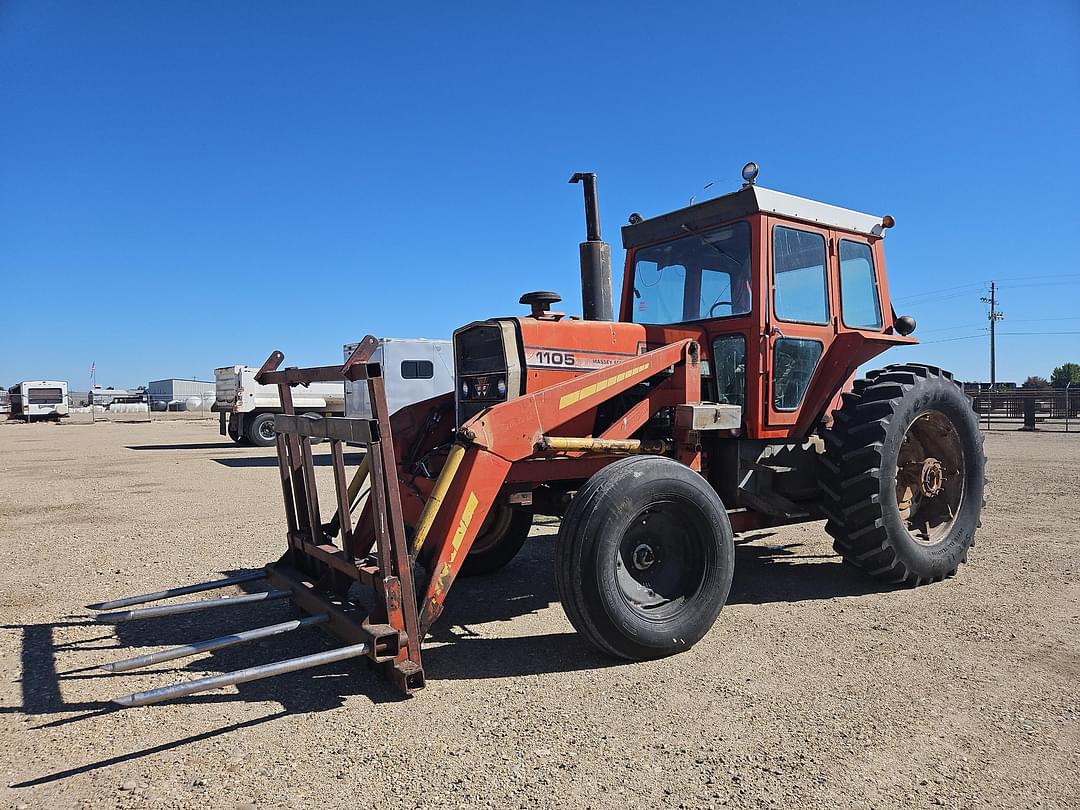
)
(590, 390)
(463, 525)
(455, 544)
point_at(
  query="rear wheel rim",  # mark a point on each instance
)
(661, 561)
(493, 528)
(266, 430)
(930, 478)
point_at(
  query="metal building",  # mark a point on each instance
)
(163, 393)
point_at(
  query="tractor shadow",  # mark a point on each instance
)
(462, 646)
(785, 572)
(224, 444)
(317, 460)
(83, 644)
(458, 650)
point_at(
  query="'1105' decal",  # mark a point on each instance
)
(571, 360)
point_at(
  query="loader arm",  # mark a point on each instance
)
(490, 444)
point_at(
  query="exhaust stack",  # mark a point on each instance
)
(595, 257)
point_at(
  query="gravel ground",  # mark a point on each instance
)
(816, 688)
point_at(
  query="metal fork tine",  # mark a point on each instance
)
(188, 607)
(241, 676)
(247, 576)
(209, 645)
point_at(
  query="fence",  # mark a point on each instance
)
(147, 408)
(1023, 409)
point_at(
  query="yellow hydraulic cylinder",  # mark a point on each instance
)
(624, 446)
(442, 485)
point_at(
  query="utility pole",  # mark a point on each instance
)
(994, 316)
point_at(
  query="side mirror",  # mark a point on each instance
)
(905, 325)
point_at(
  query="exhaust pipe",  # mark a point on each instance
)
(595, 257)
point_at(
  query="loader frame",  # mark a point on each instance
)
(513, 442)
(320, 574)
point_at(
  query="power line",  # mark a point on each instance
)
(1040, 279)
(950, 328)
(1040, 320)
(1040, 333)
(950, 340)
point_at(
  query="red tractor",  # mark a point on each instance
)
(720, 401)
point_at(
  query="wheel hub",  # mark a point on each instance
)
(644, 557)
(932, 478)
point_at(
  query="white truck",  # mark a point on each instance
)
(247, 409)
(414, 369)
(39, 399)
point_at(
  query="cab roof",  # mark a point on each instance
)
(748, 200)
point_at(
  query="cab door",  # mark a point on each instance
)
(801, 317)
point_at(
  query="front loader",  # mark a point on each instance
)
(722, 400)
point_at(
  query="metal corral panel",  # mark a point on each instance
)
(179, 389)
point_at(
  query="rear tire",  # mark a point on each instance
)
(644, 558)
(260, 430)
(904, 475)
(504, 532)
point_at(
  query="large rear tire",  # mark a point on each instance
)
(644, 558)
(504, 532)
(904, 474)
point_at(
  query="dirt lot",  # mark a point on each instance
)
(816, 688)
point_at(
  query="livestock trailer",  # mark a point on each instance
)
(109, 396)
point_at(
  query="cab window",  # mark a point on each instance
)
(696, 277)
(794, 361)
(729, 362)
(860, 305)
(799, 276)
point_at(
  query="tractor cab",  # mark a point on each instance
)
(787, 297)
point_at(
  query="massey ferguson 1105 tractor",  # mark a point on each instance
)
(720, 401)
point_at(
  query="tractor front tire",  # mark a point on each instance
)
(903, 475)
(644, 558)
(500, 538)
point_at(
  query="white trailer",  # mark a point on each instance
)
(414, 369)
(247, 409)
(5, 403)
(39, 399)
(107, 396)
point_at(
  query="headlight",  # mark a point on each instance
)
(500, 386)
(465, 389)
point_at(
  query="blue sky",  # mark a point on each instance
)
(170, 170)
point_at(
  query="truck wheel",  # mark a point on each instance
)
(500, 539)
(644, 558)
(260, 430)
(903, 478)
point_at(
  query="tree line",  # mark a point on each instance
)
(1060, 377)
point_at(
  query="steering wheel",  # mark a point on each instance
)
(712, 309)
